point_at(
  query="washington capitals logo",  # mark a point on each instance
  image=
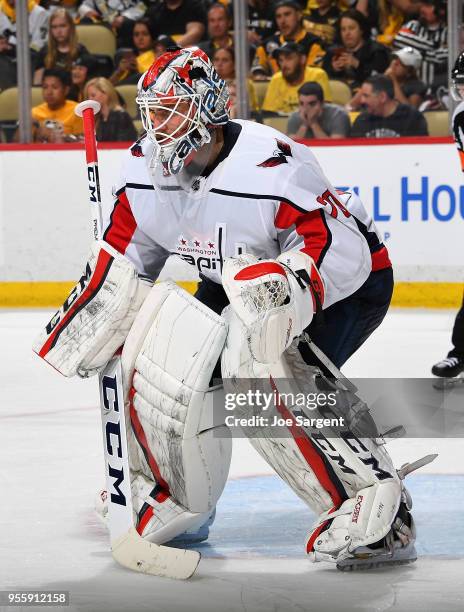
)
(279, 156)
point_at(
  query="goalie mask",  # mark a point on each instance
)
(181, 99)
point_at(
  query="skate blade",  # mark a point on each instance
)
(448, 383)
(401, 557)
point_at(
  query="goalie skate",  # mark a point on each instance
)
(397, 547)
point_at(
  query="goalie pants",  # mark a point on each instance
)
(458, 335)
(343, 327)
(347, 324)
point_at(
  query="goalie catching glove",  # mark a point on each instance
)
(274, 299)
(96, 317)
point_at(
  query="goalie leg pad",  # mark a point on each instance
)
(159, 518)
(349, 481)
(96, 317)
(168, 360)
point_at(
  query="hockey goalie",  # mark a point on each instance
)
(279, 252)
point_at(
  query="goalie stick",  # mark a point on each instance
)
(128, 547)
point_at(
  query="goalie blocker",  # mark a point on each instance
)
(95, 319)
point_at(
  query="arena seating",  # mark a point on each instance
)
(97, 39)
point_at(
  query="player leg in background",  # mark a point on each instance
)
(453, 364)
(343, 327)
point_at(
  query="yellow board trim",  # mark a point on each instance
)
(52, 295)
(428, 295)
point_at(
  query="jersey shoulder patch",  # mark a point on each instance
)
(279, 156)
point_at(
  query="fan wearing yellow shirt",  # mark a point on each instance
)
(144, 43)
(289, 20)
(282, 93)
(55, 119)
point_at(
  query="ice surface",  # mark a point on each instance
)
(51, 467)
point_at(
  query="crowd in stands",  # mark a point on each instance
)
(390, 55)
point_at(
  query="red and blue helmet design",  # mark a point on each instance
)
(181, 99)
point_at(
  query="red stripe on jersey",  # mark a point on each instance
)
(286, 216)
(310, 225)
(102, 267)
(316, 235)
(309, 452)
(142, 440)
(260, 269)
(147, 515)
(122, 225)
(381, 260)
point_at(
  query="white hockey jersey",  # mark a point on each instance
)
(266, 194)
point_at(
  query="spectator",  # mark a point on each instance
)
(82, 70)
(282, 93)
(54, 119)
(38, 24)
(182, 20)
(113, 123)
(385, 17)
(162, 43)
(260, 21)
(62, 48)
(219, 23)
(384, 116)
(126, 72)
(232, 87)
(315, 118)
(224, 63)
(428, 35)
(358, 57)
(7, 64)
(144, 43)
(289, 18)
(403, 70)
(132, 62)
(119, 14)
(70, 5)
(322, 19)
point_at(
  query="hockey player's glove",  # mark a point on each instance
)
(274, 299)
(96, 317)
